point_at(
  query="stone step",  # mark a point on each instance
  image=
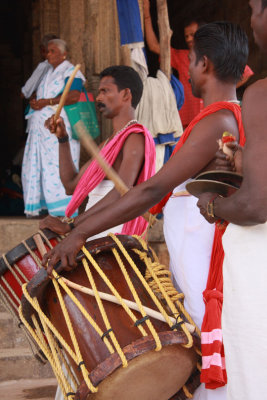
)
(15, 229)
(11, 335)
(19, 363)
(25, 389)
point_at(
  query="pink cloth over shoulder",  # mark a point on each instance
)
(94, 174)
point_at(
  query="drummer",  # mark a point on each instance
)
(129, 149)
(244, 269)
(217, 62)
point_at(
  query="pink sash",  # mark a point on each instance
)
(94, 174)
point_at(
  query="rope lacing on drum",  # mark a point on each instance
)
(160, 280)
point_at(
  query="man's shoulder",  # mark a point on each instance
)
(258, 87)
(255, 96)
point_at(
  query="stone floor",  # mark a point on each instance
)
(28, 389)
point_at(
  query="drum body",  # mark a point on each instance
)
(150, 374)
(17, 267)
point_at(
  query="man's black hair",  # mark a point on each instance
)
(194, 20)
(126, 77)
(226, 45)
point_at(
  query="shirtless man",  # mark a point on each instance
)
(244, 270)
(214, 80)
(119, 93)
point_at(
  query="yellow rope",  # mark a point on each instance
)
(114, 291)
(138, 301)
(167, 289)
(149, 265)
(103, 312)
(83, 311)
(44, 347)
(73, 338)
(107, 281)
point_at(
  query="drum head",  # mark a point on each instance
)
(153, 375)
(197, 187)
(231, 178)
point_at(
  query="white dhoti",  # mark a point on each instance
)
(244, 317)
(189, 238)
(95, 196)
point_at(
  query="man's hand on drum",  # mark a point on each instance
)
(65, 253)
(55, 224)
(223, 161)
(56, 127)
(202, 204)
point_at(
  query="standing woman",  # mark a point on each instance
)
(42, 188)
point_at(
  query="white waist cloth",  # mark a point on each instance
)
(189, 238)
(244, 311)
(95, 196)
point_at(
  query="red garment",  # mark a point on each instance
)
(192, 105)
(213, 372)
(248, 72)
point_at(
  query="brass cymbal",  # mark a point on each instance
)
(228, 177)
(199, 186)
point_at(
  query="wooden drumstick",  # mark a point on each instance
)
(105, 296)
(113, 299)
(40, 244)
(66, 91)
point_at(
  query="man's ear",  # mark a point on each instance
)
(207, 64)
(127, 95)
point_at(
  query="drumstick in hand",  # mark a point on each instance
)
(66, 91)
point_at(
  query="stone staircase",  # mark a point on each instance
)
(22, 377)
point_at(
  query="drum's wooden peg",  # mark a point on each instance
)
(40, 244)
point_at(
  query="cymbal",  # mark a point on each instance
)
(199, 186)
(229, 177)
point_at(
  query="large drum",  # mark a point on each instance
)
(114, 351)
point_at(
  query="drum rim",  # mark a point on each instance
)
(132, 351)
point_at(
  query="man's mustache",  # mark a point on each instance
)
(101, 105)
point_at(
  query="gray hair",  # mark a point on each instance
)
(60, 43)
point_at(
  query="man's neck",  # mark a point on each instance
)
(121, 121)
(219, 92)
